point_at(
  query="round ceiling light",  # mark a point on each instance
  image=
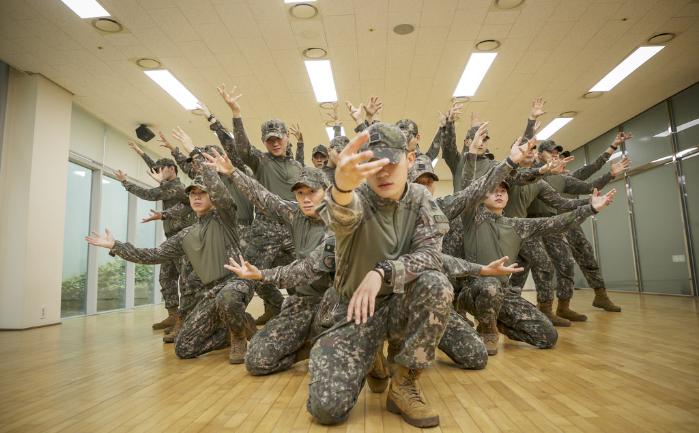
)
(508, 4)
(488, 45)
(328, 105)
(107, 25)
(314, 53)
(568, 114)
(661, 38)
(403, 29)
(303, 11)
(592, 95)
(148, 63)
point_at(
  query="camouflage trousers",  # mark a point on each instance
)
(557, 247)
(462, 344)
(584, 255)
(532, 256)
(268, 245)
(518, 319)
(191, 288)
(274, 347)
(342, 356)
(220, 311)
(169, 276)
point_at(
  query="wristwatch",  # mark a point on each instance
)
(387, 269)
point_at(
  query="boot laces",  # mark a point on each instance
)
(410, 387)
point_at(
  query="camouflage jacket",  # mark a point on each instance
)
(565, 184)
(172, 194)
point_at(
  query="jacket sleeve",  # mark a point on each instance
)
(588, 170)
(162, 192)
(169, 250)
(300, 153)
(148, 160)
(218, 193)
(552, 198)
(269, 203)
(529, 227)
(249, 154)
(455, 267)
(184, 162)
(449, 151)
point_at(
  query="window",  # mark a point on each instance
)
(111, 272)
(145, 238)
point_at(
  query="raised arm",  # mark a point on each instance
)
(249, 154)
(218, 193)
(169, 250)
(166, 191)
(146, 158)
(295, 130)
(552, 198)
(588, 170)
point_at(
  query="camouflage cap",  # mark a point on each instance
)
(408, 127)
(565, 153)
(197, 182)
(488, 154)
(313, 178)
(165, 162)
(386, 141)
(273, 128)
(549, 145)
(472, 133)
(339, 143)
(210, 149)
(320, 149)
(422, 165)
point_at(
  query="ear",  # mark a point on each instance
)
(411, 158)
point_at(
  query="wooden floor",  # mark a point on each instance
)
(637, 371)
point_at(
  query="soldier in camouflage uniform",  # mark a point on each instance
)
(337, 144)
(409, 128)
(171, 192)
(319, 156)
(219, 318)
(270, 242)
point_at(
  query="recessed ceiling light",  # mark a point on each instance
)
(173, 87)
(474, 72)
(626, 67)
(314, 53)
(488, 45)
(592, 95)
(321, 75)
(553, 127)
(331, 132)
(508, 4)
(568, 114)
(661, 38)
(86, 8)
(303, 11)
(403, 29)
(107, 25)
(148, 63)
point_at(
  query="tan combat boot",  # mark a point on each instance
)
(269, 314)
(564, 311)
(169, 321)
(406, 399)
(174, 331)
(602, 301)
(239, 345)
(378, 376)
(489, 333)
(546, 308)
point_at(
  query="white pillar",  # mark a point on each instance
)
(33, 171)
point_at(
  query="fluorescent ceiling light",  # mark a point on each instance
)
(553, 127)
(86, 8)
(173, 87)
(321, 75)
(626, 67)
(331, 132)
(434, 162)
(476, 68)
(680, 128)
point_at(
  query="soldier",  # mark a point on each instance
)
(219, 318)
(171, 191)
(336, 145)
(320, 156)
(412, 134)
(495, 303)
(277, 172)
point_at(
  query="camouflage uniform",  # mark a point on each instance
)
(410, 130)
(171, 193)
(413, 305)
(207, 244)
(337, 144)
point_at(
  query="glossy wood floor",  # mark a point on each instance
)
(637, 371)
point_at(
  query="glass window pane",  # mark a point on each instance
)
(659, 232)
(690, 168)
(77, 226)
(649, 143)
(111, 275)
(615, 246)
(685, 107)
(600, 144)
(579, 160)
(145, 238)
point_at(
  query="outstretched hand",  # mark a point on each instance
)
(599, 201)
(295, 130)
(352, 166)
(184, 138)
(497, 268)
(556, 165)
(120, 175)
(355, 112)
(164, 142)
(135, 147)
(537, 108)
(243, 269)
(620, 166)
(221, 163)
(104, 241)
(154, 216)
(522, 151)
(373, 107)
(231, 99)
(621, 138)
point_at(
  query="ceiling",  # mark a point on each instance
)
(556, 49)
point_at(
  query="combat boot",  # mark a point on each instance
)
(546, 308)
(239, 345)
(564, 311)
(169, 321)
(174, 331)
(405, 399)
(378, 377)
(602, 301)
(489, 333)
(269, 314)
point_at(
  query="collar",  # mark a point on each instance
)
(379, 201)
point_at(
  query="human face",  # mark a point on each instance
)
(427, 181)
(319, 160)
(308, 199)
(277, 146)
(391, 181)
(200, 202)
(497, 200)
